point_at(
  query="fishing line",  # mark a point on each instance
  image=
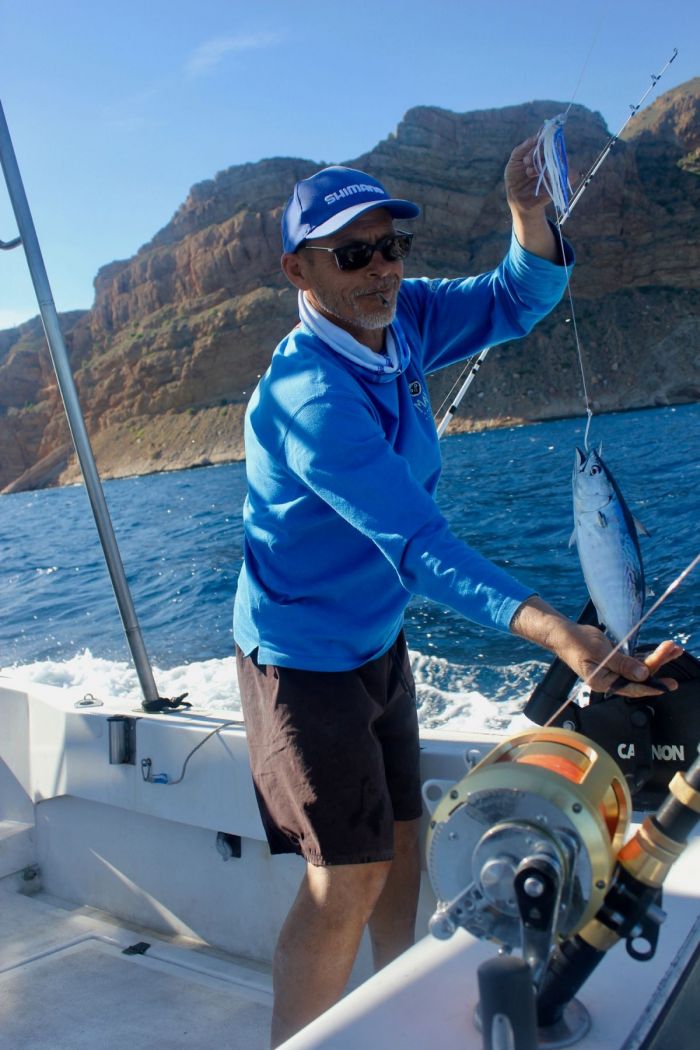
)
(575, 197)
(659, 601)
(579, 353)
(587, 59)
(550, 153)
(550, 163)
(442, 426)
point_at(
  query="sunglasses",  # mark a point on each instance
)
(358, 254)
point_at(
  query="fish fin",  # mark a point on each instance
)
(602, 520)
(642, 530)
(572, 539)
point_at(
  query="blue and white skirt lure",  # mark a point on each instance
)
(551, 165)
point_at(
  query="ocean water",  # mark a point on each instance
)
(506, 492)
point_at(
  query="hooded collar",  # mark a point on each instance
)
(381, 367)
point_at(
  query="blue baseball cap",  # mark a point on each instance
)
(332, 198)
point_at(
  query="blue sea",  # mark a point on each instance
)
(506, 492)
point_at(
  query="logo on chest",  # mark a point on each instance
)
(421, 401)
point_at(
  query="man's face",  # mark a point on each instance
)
(361, 301)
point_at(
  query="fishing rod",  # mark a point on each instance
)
(473, 373)
(634, 109)
(561, 219)
(152, 701)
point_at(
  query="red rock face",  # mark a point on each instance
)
(171, 350)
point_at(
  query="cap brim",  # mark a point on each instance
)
(398, 209)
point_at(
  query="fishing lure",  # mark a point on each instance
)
(551, 164)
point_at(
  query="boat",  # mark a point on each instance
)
(139, 903)
(143, 912)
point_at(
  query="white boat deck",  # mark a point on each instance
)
(66, 984)
(94, 860)
(426, 999)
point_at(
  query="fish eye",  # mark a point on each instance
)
(595, 469)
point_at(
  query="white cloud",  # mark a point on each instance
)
(209, 54)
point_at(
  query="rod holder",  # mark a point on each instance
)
(121, 740)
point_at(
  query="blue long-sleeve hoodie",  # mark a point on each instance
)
(340, 523)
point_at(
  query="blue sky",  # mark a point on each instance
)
(117, 109)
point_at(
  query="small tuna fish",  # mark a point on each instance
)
(606, 537)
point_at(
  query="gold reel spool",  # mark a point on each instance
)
(547, 791)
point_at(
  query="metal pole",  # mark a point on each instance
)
(76, 422)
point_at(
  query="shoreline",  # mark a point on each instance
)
(213, 437)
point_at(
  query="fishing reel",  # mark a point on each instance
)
(522, 850)
(529, 850)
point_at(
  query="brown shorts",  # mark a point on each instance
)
(334, 755)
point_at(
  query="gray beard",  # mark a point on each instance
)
(381, 318)
(378, 320)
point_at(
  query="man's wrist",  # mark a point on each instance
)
(535, 234)
(538, 622)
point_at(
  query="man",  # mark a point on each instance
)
(341, 527)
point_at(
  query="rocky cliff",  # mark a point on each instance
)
(168, 355)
